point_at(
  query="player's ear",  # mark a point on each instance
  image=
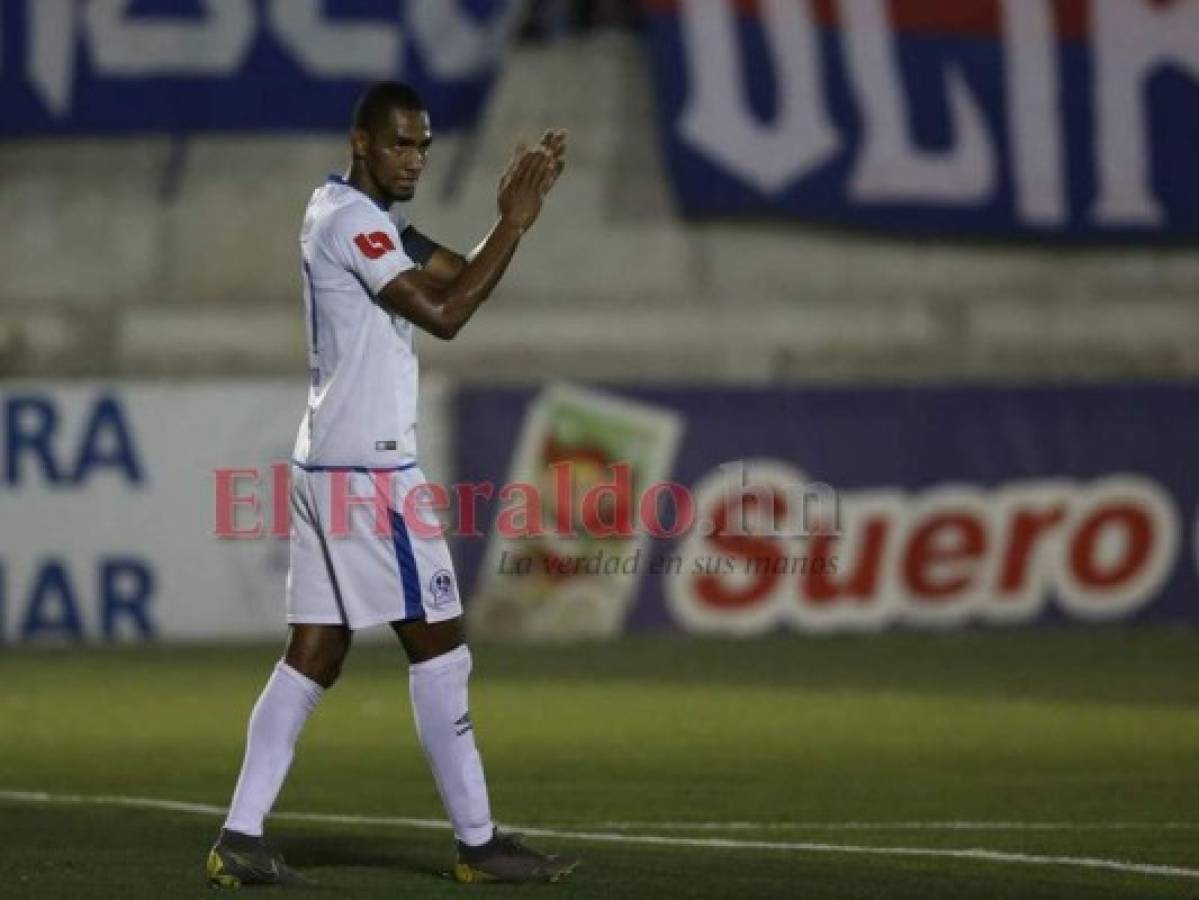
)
(359, 142)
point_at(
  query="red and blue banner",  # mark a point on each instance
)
(1070, 118)
(934, 508)
(183, 66)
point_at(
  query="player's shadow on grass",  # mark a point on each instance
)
(312, 853)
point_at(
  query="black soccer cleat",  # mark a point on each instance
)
(238, 859)
(505, 858)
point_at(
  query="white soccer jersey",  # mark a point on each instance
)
(362, 397)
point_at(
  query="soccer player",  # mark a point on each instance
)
(368, 283)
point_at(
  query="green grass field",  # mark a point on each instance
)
(811, 768)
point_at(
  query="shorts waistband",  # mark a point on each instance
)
(314, 467)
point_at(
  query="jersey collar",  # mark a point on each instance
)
(337, 179)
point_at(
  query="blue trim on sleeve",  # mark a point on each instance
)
(310, 467)
(413, 608)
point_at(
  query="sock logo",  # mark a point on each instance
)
(463, 725)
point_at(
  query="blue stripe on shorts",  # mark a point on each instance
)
(413, 608)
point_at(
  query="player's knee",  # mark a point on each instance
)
(323, 669)
(318, 653)
(330, 672)
(424, 641)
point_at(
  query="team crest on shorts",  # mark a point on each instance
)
(441, 586)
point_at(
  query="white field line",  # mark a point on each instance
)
(939, 825)
(974, 853)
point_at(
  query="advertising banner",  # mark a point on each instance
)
(185, 66)
(1040, 117)
(579, 579)
(825, 510)
(109, 508)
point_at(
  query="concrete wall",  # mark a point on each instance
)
(162, 256)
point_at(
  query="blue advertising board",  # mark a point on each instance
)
(1067, 118)
(182, 66)
(953, 507)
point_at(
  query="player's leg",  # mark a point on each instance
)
(311, 664)
(440, 666)
(412, 573)
(317, 645)
(438, 679)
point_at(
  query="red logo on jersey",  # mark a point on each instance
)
(374, 245)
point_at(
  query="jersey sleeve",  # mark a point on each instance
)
(369, 247)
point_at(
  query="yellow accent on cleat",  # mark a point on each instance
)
(217, 876)
(464, 873)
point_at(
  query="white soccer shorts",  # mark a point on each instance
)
(364, 566)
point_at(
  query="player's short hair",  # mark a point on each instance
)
(380, 98)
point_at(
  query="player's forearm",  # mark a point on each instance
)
(482, 272)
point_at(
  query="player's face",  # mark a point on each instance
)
(397, 153)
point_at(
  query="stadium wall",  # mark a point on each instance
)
(177, 255)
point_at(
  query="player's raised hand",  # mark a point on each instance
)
(554, 141)
(517, 155)
(527, 180)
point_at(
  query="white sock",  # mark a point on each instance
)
(275, 724)
(439, 703)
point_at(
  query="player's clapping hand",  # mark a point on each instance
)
(554, 143)
(529, 177)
